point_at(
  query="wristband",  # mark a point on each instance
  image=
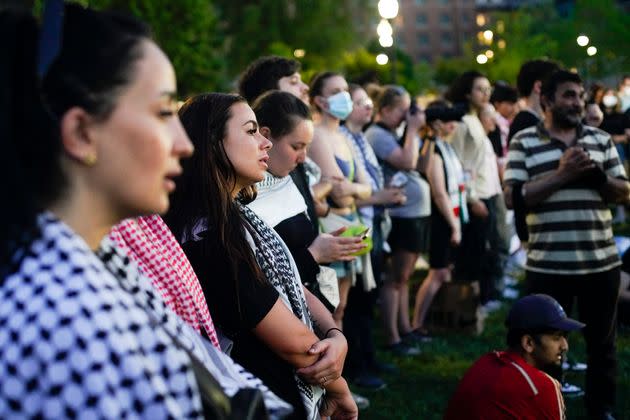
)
(332, 329)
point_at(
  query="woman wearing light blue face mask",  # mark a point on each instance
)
(332, 151)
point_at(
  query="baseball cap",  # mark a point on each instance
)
(540, 311)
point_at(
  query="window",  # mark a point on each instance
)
(421, 2)
(444, 2)
(447, 38)
(445, 19)
(423, 38)
(421, 19)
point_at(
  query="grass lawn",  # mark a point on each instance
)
(425, 383)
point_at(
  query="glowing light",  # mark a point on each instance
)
(481, 20)
(382, 59)
(582, 40)
(388, 9)
(501, 44)
(489, 53)
(500, 26)
(488, 35)
(384, 29)
(386, 41)
(299, 53)
(482, 59)
(591, 50)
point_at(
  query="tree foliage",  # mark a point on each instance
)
(536, 32)
(187, 30)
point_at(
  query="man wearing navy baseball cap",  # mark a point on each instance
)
(513, 383)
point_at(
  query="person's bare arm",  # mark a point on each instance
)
(616, 190)
(323, 155)
(385, 196)
(332, 348)
(406, 157)
(441, 198)
(425, 158)
(287, 336)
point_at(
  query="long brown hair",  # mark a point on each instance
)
(205, 188)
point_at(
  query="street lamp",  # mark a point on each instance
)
(591, 51)
(582, 40)
(388, 9)
(386, 41)
(482, 59)
(384, 29)
(488, 35)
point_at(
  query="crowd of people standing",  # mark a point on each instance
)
(151, 250)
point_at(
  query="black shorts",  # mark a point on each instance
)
(410, 234)
(440, 249)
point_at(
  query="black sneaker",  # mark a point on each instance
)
(403, 350)
(379, 367)
(416, 336)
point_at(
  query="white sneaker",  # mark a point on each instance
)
(574, 366)
(510, 293)
(509, 281)
(492, 305)
(361, 402)
(571, 391)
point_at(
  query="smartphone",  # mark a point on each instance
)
(364, 234)
(413, 108)
(398, 180)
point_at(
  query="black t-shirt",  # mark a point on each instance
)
(615, 123)
(300, 179)
(236, 308)
(523, 120)
(495, 139)
(298, 235)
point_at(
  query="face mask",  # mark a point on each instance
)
(609, 101)
(340, 105)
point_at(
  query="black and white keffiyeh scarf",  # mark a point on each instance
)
(90, 338)
(280, 270)
(74, 343)
(271, 191)
(231, 376)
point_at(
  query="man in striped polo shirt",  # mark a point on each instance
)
(513, 383)
(567, 173)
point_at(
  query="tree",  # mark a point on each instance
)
(187, 30)
(537, 32)
(324, 29)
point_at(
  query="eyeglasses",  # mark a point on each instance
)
(366, 102)
(487, 90)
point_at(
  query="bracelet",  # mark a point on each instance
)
(332, 329)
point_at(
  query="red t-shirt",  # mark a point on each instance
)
(501, 385)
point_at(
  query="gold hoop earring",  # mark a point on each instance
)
(89, 159)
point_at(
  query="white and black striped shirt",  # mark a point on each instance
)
(570, 231)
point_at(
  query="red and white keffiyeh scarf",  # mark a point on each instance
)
(150, 244)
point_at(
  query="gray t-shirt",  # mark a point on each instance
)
(417, 190)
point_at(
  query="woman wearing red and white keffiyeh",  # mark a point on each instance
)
(151, 245)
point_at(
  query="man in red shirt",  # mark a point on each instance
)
(512, 383)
